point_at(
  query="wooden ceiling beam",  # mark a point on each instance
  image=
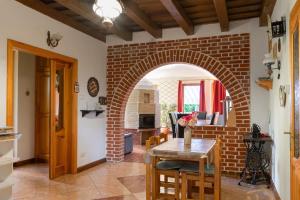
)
(222, 13)
(179, 15)
(267, 9)
(43, 8)
(85, 11)
(139, 17)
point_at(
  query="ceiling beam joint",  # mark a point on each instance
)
(222, 13)
(46, 10)
(267, 10)
(179, 15)
(86, 12)
(139, 17)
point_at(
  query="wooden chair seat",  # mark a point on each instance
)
(169, 165)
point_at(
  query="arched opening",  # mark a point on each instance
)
(121, 86)
(167, 93)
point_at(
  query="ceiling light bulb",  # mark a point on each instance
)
(107, 8)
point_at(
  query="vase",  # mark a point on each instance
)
(187, 136)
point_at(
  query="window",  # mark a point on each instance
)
(191, 98)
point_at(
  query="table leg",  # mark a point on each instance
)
(154, 178)
(201, 181)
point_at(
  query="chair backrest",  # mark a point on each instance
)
(217, 115)
(152, 141)
(201, 116)
(212, 120)
(161, 138)
(173, 122)
(218, 151)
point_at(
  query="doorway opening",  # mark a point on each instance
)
(166, 94)
(42, 106)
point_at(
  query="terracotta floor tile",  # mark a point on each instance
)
(135, 184)
(109, 181)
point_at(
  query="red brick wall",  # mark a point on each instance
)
(227, 57)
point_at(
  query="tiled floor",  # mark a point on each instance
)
(137, 154)
(121, 181)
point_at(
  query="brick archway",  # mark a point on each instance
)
(226, 56)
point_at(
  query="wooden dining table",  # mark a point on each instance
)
(175, 149)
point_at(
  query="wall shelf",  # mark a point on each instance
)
(85, 112)
(266, 84)
(5, 161)
(9, 137)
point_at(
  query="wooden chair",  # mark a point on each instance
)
(166, 168)
(209, 175)
(162, 137)
(149, 143)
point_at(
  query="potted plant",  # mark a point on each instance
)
(164, 117)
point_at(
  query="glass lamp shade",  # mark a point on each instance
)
(107, 8)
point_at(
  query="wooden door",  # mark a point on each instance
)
(42, 109)
(295, 95)
(60, 118)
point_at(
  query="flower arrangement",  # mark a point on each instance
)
(189, 120)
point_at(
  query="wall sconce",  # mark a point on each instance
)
(268, 62)
(53, 40)
(278, 28)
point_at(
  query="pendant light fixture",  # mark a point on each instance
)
(108, 10)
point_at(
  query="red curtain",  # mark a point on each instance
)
(219, 93)
(202, 105)
(180, 97)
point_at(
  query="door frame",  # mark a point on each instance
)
(294, 15)
(13, 45)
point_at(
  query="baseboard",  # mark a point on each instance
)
(24, 162)
(277, 197)
(90, 165)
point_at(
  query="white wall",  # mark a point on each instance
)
(23, 24)
(258, 44)
(26, 105)
(280, 116)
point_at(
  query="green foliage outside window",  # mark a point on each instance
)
(191, 108)
(165, 110)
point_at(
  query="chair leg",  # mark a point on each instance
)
(177, 192)
(201, 181)
(183, 186)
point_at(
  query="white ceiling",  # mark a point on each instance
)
(181, 71)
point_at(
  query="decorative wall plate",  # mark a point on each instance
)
(93, 87)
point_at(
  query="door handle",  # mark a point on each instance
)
(287, 133)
